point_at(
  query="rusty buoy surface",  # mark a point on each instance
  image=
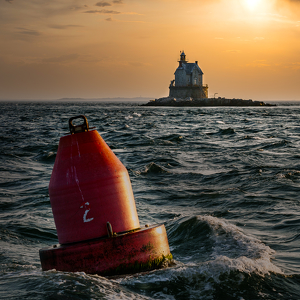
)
(132, 252)
(94, 211)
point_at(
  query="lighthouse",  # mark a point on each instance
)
(188, 81)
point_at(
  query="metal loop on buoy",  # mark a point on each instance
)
(110, 232)
(78, 128)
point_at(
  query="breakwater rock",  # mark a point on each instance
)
(170, 101)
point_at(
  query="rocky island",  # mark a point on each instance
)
(188, 90)
(171, 101)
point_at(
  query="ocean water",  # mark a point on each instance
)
(224, 181)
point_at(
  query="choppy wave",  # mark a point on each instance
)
(223, 246)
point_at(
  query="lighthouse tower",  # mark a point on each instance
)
(188, 81)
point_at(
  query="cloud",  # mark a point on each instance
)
(292, 66)
(62, 59)
(64, 26)
(138, 64)
(118, 2)
(57, 8)
(102, 11)
(72, 58)
(29, 32)
(295, 66)
(259, 64)
(42, 8)
(103, 4)
(122, 21)
(279, 18)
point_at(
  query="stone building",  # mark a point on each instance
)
(188, 81)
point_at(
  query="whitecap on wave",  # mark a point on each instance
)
(234, 250)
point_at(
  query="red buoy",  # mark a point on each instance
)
(94, 211)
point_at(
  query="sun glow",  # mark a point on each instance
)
(252, 4)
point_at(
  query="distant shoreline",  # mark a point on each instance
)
(121, 99)
(115, 99)
(142, 101)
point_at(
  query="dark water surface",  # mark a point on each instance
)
(225, 182)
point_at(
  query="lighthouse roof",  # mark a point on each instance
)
(189, 67)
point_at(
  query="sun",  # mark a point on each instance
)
(252, 4)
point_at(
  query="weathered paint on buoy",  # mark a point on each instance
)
(89, 187)
(141, 250)
(94, 212)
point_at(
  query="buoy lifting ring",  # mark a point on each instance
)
(78, 128)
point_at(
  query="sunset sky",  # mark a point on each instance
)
(130, 48)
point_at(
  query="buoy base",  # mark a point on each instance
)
(141, 250)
